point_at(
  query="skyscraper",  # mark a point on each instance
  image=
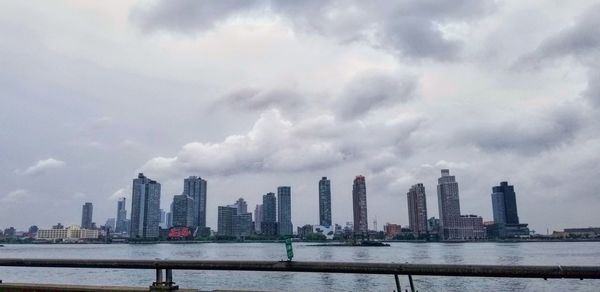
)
(504, 204)
(121, 216)
(195, 187)
(417, 210)
(448, 201)
(183, 211)
(269, 208)
(268, 226)
(359, 202)
(284, 210)
(225, 220)
(241, 206)
(258, 217)
(145, 208)
(325, 202)
(506, 218)
(86, 215)
(453, 225)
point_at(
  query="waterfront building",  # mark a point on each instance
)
(145, 208)
(453, 226)
(305, 230)
(269, 208)
(110, 223)
(392, 230)
(268, 228)
(242, 224)
(72, 232)
(258, 215)
(182, 210)
(121, 216)
(284, 210)
(506, 217)
(86, 215)
(195, 187)
(504, 204)
(325, 202)
(225, 220)
(417, 210)
(241, 206)
(359, 202)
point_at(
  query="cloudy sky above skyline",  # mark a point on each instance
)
(253, 94)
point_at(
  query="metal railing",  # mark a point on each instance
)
(166, 282)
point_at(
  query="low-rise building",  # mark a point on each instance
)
(72, 232)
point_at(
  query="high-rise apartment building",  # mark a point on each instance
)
(448, 200)
(225, 220)
(258, 217)
(453, 225)
(268, 226)
(284, 211)
(121, 216)
(195, 187)
(182, 210)
(145, 208)
(241, 206)
(417, 210)
(86, 215)
(325, 202)
(359, 203)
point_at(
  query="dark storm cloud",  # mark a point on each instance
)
(527, 135)
(409, 28)
(374, 90)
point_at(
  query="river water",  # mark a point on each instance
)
(531, 253)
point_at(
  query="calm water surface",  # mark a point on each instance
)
(579, 253)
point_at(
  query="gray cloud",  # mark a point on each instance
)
(409, 28)
(547, 131)
(579, 40)
(371, 91)
(256, 99)
(186, 15)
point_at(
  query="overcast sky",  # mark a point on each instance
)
(251, 95)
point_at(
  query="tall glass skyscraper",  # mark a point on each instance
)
(182, 211)
(195, 187)
(145, 208)
(284, 210)
(268, 226)
(86, 215)
(121, 216)
(325, 202)
(504, 204)
(359, 203)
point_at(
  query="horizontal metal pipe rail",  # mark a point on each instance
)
(545, 272)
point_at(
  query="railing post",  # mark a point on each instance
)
(398, 288)
(164, 285)
(412, 285)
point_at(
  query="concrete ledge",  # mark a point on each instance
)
(18, 287)
(22, 287)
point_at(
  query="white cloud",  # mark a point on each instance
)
(42, 166)
(122, 192)
(15, 196)
(271, 145)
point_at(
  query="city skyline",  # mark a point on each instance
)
(503, 205)
(353, 91)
